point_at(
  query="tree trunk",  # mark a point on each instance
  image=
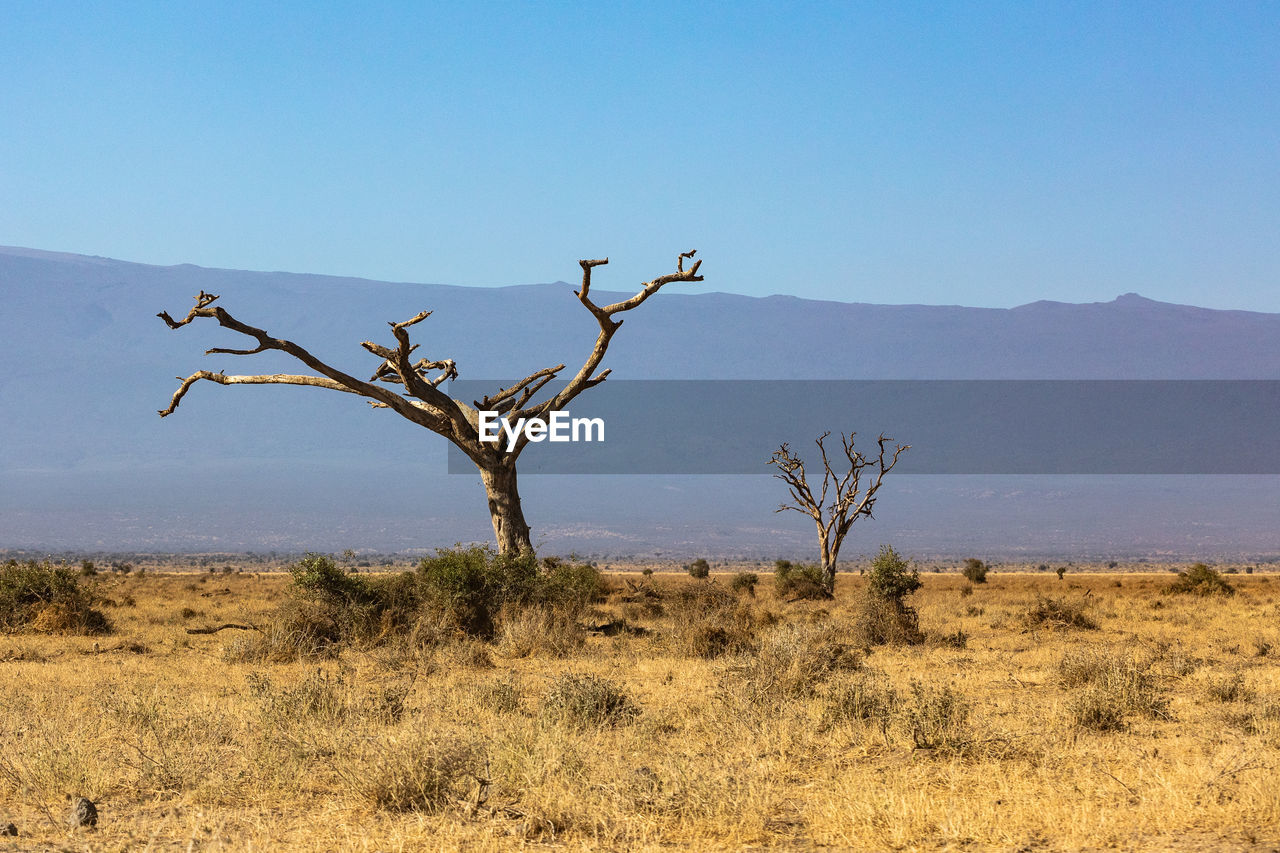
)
(509, 526)
(828, 560)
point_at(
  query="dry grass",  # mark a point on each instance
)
(726, 722)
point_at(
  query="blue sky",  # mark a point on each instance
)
(981, 154)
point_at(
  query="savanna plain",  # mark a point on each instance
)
(322, 710)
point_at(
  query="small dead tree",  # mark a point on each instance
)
(420, 399)
(852, 495)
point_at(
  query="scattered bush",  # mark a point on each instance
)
(793, 661)
(745, 582)
(1057, 613)
(1061, 570)
(538, 631)
(708, 621)
(587, 700)
(39, 597)
(975, 570)
(1232, 688)
(936, 718)
(423, 775)
(699, 568)
(1115, 684)
(863, 697)
(1201, 580)
(799, 580)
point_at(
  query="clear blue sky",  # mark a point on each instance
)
(982, 154)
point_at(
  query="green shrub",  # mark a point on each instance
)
(699, 568)
(475, 583)
(799, 580)
(745, 582)
(51, 600)
(1201, 580)
(975, 570)
(889, 577)
(884, 617)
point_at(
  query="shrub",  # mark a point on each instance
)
(709, 621)
(39, 597)
(699, 568)
(423, 775)
(864, 697)
(799, 580)
(793, 661)
(936, 718)
(1057, 613)
(745, 582)
(474, 584)
(1061, 570)
(975, 570)
(529, 631)
(588, 700)
(889, 577)
(884, 616)
(1115, 684)
(1232, 688)
(1201, 580)
(885, 622)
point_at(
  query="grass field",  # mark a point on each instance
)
(1008, 729)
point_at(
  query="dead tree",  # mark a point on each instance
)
(420, 399)
(851, 497)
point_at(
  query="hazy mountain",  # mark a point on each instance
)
(86, 462)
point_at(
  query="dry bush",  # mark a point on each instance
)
(538, 632)
(745, 582)
(792, 662)
(863, 697)
(1115, 684)
(1057, 613)
(586, 700)
(936, 718)
(421, 774)
(1231, 688)
(886, 622)
(1201, 580)
(297, 630)
(708, 621)
(501, 695)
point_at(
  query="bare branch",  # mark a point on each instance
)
(587, 377)
(203, 300)
(441, 414)
(271, 379)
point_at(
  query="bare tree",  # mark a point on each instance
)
(420, 399)
(851, 497)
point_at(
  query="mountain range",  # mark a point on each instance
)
(86, 463)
